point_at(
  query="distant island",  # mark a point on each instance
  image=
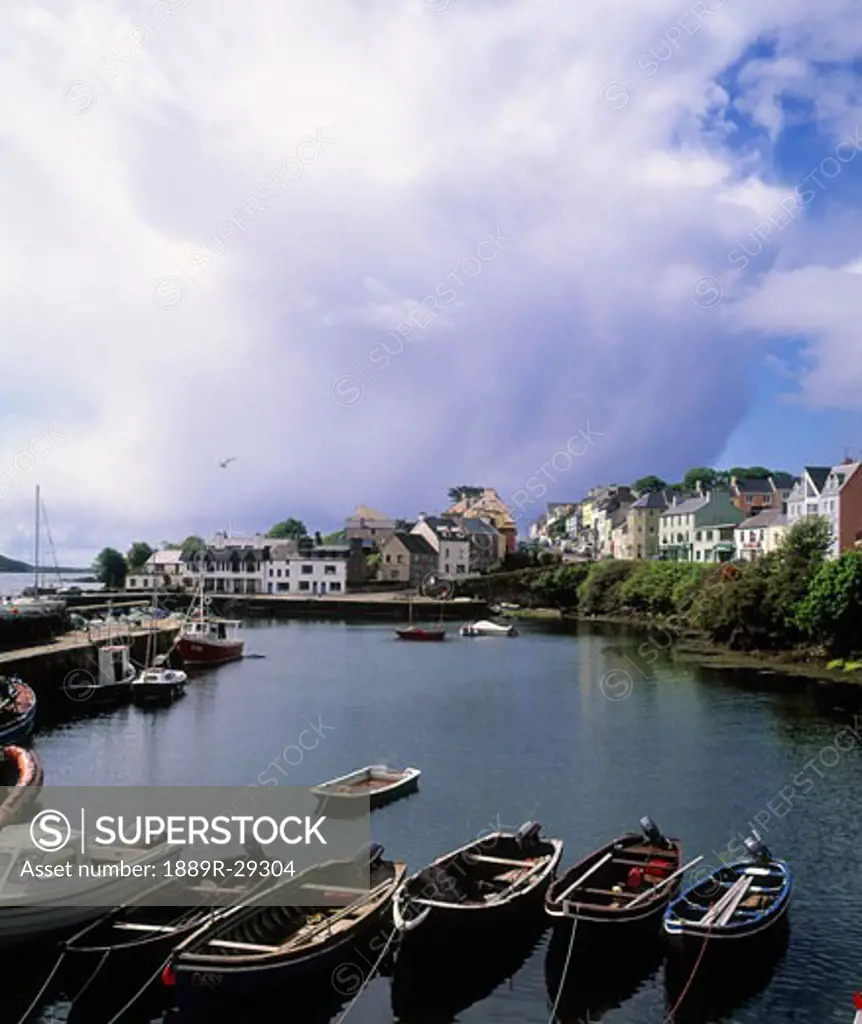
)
(13, 565)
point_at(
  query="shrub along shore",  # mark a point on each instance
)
(794, 605)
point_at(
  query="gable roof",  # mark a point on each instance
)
(818, 475)
(415, 543)
(783, 481)
(768, 517)
(752, 485)
(685, 508)
(364, 512)
(652, 499)
(475, 525)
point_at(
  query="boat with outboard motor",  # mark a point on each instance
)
(483, 885)
(17, 710)
(734, 908)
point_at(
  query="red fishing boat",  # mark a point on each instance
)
(205, 640)
(415, 633)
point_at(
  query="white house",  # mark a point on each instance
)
(450, 542)
(760, 534)
(289, 570)
(835, 493)
(162, 570)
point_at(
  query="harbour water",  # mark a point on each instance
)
(578, 732)
(12, 583)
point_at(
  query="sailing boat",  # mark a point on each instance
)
(421, 635)
(205, 640)
(157, 682)
(36, 605)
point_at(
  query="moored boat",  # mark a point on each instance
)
(735, 908)
(419, 634)
(132, 941)
(478, 888)
(620, 890)
(158, 684)
(110, 684)
(488, 628)
(17, 710)
(21, 778)
(276, 946)
(206, 640)
(376, 784)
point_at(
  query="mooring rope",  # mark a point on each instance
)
(365, 983)
(553, 1016)
(89, 980)
(140, 992)
(669, 1018)
(43, 989)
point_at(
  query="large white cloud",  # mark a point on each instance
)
(159, 337)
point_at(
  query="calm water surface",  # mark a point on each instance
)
(509, 730)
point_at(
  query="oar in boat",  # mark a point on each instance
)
(664, 882)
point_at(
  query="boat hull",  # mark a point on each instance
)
(201, 988)
(157, 693)
(421, 636)
(19, 727)
(197, 651)
(345, 804)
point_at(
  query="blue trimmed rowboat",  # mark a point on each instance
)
(734, 907)
(17, 711)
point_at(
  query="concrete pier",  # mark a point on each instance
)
(45, 666)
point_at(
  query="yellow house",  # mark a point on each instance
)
(490, 506)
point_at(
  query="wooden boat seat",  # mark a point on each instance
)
(482, 859)
(616, 895)
(335, 890)
(251, 947)
(133, 926)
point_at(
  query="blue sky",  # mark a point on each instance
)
(417, 244)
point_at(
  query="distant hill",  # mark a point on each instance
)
(13, 565)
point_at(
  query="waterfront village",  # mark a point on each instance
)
(711, 516)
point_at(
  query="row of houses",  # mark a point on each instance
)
(468, 538)
(740, 522)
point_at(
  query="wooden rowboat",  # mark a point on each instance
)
(628, 882)
(734, 906)
(17, 710)
(376, 784)
(21, 772)
(473, 892)
(294, 940)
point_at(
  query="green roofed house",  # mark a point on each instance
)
(700, 529)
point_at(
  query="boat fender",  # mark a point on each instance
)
(528, 834)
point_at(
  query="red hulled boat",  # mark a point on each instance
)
(205, 640)
(415, 633)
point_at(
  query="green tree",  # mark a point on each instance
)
(372, 565)
(831, 610)
(457, 494)
(293, 529)
(750, 472)
(338, 537)
(110, 568)
(137, 555)
(703, 475)
(318, 540)
(192, 545)
(649, 484)
(557, 529)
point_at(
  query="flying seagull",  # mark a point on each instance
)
(224, 464)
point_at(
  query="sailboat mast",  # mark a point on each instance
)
(36, 552)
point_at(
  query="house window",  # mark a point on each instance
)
(460, 569)
(329, 570)
(446, 555)
(389, 558)
(271, 572)
(304, 585)
(277, 574)
(811, 508)
(307, 570)
(335, 585)
(709, 534)
(699, 535)
(400, 559)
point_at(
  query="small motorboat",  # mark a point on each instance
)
(471, 892)
(21, 779)
(488, 628)
(376, 784)
(159, 684)
(734, 906)
(419, 634)
(17, 710)
(626, 884)
(281, 944)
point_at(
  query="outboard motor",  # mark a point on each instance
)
(651, 831)
(527, 836)
(757, 849)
